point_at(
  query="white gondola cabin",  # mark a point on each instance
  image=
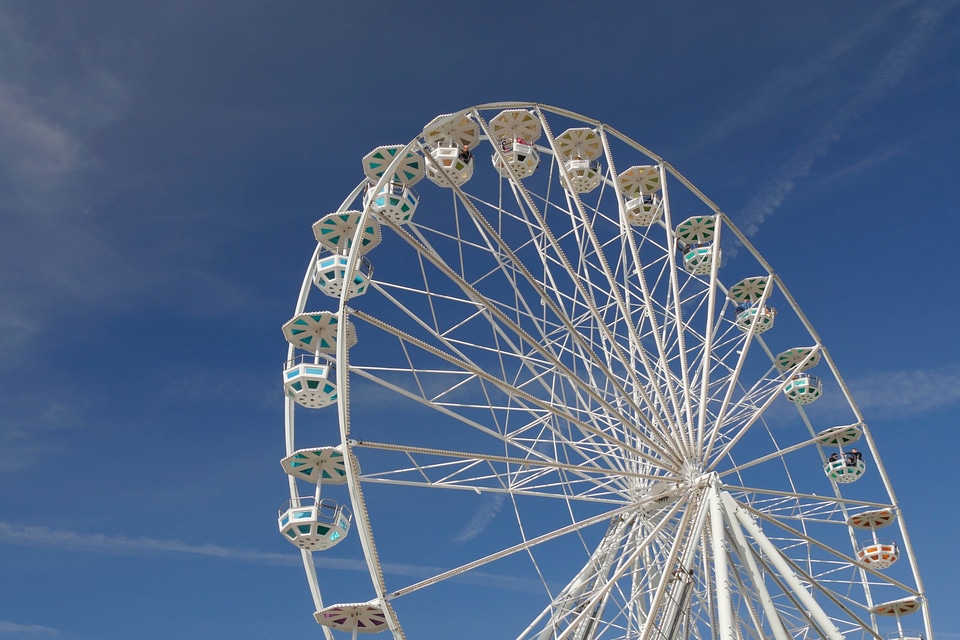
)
(452, 166)
(879, 554)
(515, 132)
(394, 201)
(308, 382)
(330, 275)
(695, 243)
(749, 315)
(845, 469)
(639, 186)
(314, 525)
(579, 150)
(876, 553)
(803, 388)
(451, 141)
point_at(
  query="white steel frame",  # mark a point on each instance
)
(594, 372)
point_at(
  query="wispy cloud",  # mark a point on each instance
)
(885, 77)
(25, 434)
(31, 629)
(61, 539)
(75, 215)
(785, 85)
(871, 161)
(492, 504)
(37, 150)
(883, 395)
(917, 390)
(117, 544)
(51, 102)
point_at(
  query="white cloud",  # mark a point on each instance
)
(917, 390)
(118, 544)
(492, 503)
(885, 77)
(769, 99)
(52, 100)
(32, 629)
(37, 150)
(882, 395)
(66, 540)
(25, 433)
(862, 165)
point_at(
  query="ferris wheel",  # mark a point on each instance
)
(572, 402)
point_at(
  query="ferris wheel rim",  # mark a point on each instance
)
(343, 369)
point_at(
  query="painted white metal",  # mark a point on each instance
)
(678, 604)
(756, 577)
(724, 630)
(775, 558)
(613, 373)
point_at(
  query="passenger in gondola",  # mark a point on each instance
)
(465, 153)
(743, 306)
(852, 457)
(834, 457)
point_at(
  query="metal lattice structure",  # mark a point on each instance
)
(552, 327)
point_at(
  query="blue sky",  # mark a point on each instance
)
(161, 165)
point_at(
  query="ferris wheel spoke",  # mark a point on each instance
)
(856, 621)
(588, 300)
(657, 366)
(564, 623)
(492, 311)
(678, 324)
(562, 490)
(706, 356)
(750, 408)
(666, 337)
(750, 565)
(719, 379)
(634, 339)
(489, 474)
(735, 375)
(587, 454)
(847, 561)
(848, 502)
(534, 345)
(767, 393)
(657, 371)
(780, 453)
(523, 546)
(586, 466)
(569, 607)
